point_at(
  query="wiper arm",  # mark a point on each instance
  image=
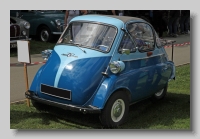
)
(78, 45)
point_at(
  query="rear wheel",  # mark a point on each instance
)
(160, 94)
(116, 110)
(45, 34)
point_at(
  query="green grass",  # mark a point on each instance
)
(36, 47)
(182, 81)
(172, 113)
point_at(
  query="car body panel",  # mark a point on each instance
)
(60, 70)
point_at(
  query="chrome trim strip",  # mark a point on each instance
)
(16, 37)
(143, 58)
(15, 41)
(90, 109)
(20, 37)
(56, 96)
(57, 33)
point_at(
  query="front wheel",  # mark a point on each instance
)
(116, 110)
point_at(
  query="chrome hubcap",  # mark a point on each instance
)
(44, 35)
(117, 111)
(159, 93)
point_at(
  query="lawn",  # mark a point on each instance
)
(36, 47)
(172, 113)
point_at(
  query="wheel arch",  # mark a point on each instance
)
(40, 26)
(123, 89)
(101, 102)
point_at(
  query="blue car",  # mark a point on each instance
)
(103, 64)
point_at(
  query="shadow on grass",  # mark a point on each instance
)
(165, 113)
(45, 119)
(142, 115)
(70, 119)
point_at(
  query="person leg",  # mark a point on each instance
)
(186, 23)
(165, 21)
(182, 24)
(171, 20)
(161, 29)
(175, 26)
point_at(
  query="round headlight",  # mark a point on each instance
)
(58, 22)
(26, 25)
(116, 66)
(23, 33)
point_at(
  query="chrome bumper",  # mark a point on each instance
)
(60, 30)
(15, 41)
(84, 109)
(57, 33)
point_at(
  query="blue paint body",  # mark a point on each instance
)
(82, 73)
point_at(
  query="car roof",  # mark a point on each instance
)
(118, 21)
(124, 19)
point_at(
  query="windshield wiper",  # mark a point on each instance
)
(78, 45)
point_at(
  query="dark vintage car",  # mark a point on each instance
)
(19, 30)
(44, 23)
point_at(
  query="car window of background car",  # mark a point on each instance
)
(142, 34)
(90, 35)
(127, 43)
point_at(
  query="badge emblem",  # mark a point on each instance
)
(70, 55)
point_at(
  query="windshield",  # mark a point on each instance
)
(90, 35)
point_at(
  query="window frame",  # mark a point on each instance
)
(153, 32)
(158, 46)
(92, 22)
(131, 39)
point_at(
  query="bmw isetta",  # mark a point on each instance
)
(102, 64)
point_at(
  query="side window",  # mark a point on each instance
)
(127, 43)
(143, 36)
(158, 42)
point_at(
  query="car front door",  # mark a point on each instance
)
(135, 73)
(154, 62)
(145, 64)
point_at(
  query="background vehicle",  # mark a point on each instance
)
(44, 23)
(19, 30)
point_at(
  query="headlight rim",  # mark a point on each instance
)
(118, 64)
(58, 22)
(27, 25)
